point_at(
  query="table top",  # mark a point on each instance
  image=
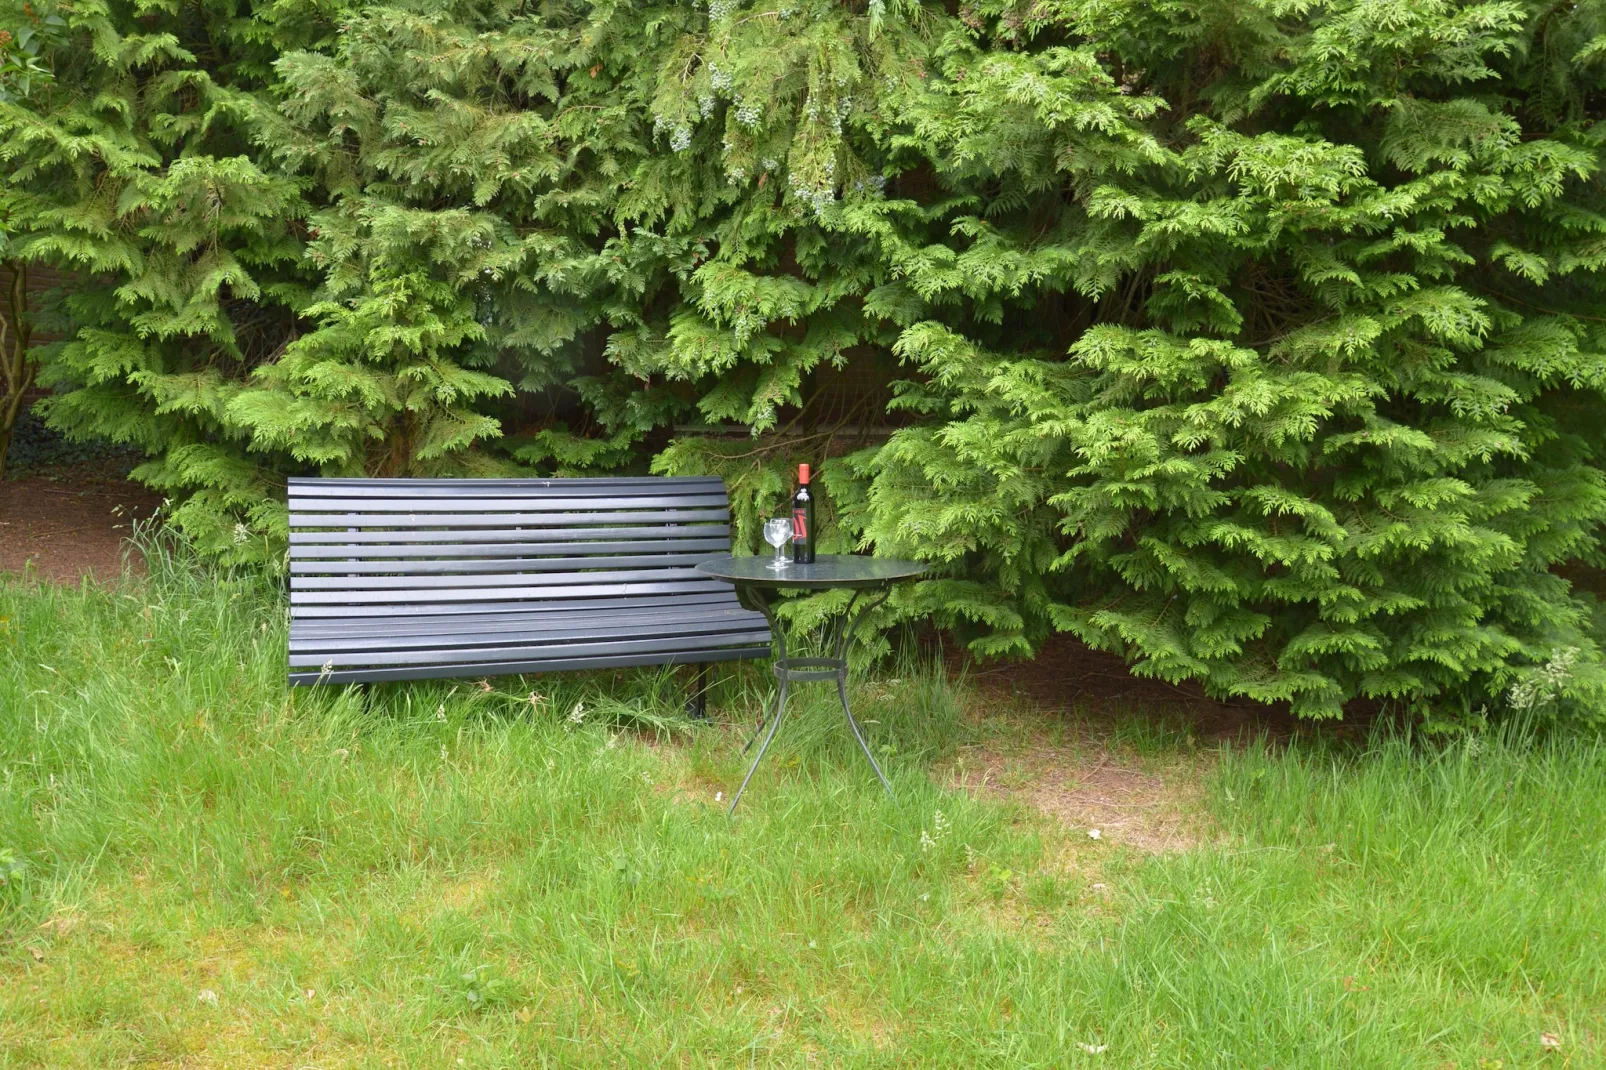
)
(828, 570)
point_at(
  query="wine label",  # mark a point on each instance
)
(800, 525)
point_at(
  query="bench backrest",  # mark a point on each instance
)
(398, 547)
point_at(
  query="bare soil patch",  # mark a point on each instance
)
(1093, 747)
(1091, 789)
(70, 523)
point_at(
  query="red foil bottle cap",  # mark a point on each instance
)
(803, 473)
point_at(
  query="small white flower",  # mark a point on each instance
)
(242, 534)
(1545, 684)
(1093, 1049)
(207, 996)
(1094, 834)
(440, 713)
(719, 796)
(926, 842)
(577, 715)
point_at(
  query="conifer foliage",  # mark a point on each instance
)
(133, 165)
(1260, 342)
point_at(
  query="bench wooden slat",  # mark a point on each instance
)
(557, 649)
(533, 665)
(497, 520)
(620, 487)
(413, 584)
(448, 615)
(450, 610)
(492, 536)
(364, 634)
(511, 551)
(513, 565)
(493, 506)
(579, 590)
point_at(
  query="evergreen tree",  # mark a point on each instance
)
(648, 181)
(1260, 344)
(134, 168)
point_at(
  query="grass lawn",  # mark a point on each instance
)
(204, 870)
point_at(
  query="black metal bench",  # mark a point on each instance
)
(413, 579)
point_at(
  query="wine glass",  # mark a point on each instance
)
(778, 532)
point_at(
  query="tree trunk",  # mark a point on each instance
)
(17, 369)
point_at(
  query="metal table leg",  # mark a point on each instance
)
(801, 669)
(844, 637)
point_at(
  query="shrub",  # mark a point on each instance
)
(1259, 344)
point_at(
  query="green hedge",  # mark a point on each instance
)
(1260, 341)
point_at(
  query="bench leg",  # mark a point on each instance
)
(699, 698)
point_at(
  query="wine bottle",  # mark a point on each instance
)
(803, 520)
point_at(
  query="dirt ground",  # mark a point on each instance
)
(1105, 753)
(69, 524)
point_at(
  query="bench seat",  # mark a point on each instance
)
(411, 579)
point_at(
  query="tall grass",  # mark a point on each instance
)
(212, 870)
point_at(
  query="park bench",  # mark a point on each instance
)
(414, 579)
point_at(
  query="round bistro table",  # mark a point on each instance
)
(870, 578)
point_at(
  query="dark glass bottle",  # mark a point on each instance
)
(803, 520)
